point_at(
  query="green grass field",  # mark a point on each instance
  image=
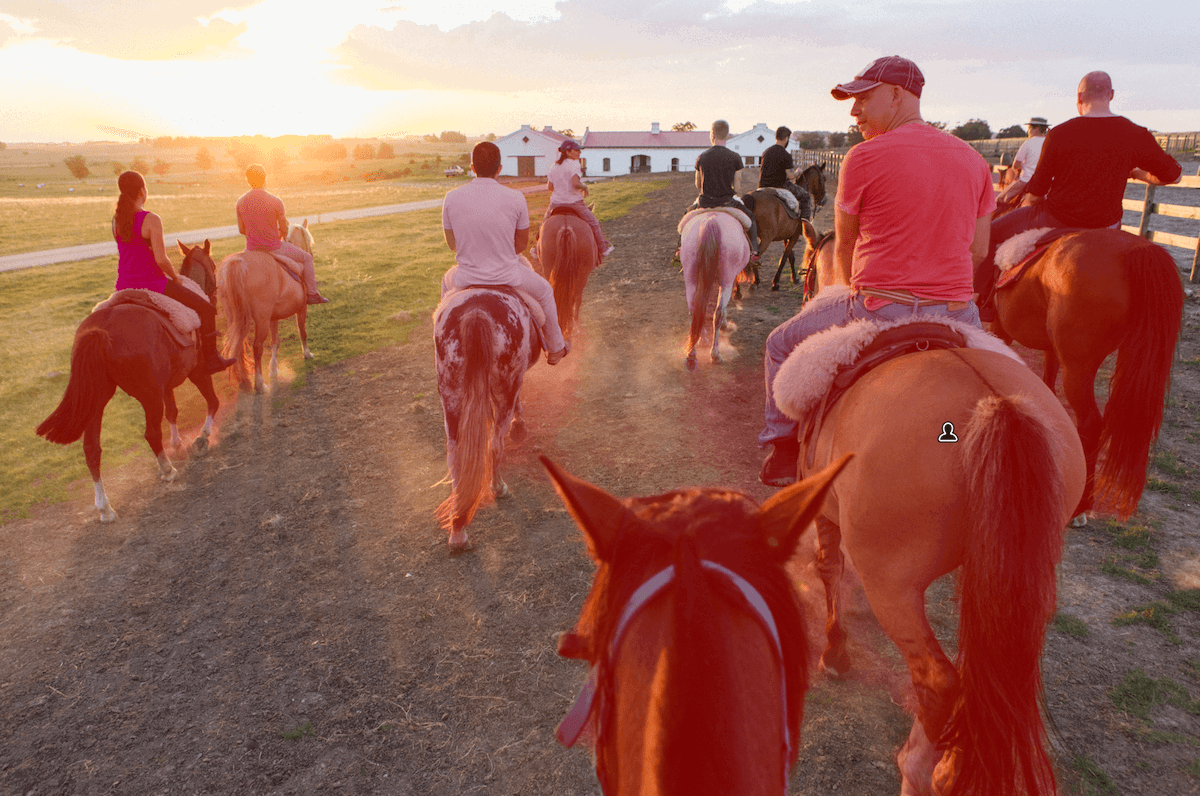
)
(372, 270)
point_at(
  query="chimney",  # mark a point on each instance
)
(654, 128)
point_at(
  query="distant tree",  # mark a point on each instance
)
(323, 150)
(117, 168)
(683, 127)
(431, 138)
(937, 125)
(385, 152)
(140, 165)
(77, 165)
(3, 145)
(438, 160)
(1016, 131)
(854, 135)
(490, 137)
(244, 153)
(569, 133)
(974, 130)
(452, 137)
(810, 140)
(364, 152)
(161, 167)
(278, 159)
(204, 159)
(837, 140)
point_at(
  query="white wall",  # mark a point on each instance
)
(542, 148)
(660, 159)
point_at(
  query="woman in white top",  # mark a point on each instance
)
(567, 190)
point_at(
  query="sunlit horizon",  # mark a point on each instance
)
(374, 69)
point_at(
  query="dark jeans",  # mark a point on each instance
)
(752, 233)
(202, 306)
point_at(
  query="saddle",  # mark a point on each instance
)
(790, 203)
(567, 210)
(180, 321)
(691, 215)
(1015, 255)
(290, 266)
(535, 309)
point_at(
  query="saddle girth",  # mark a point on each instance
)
(887, 345)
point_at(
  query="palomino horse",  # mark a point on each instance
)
(256, 289)
(567, 252)
(695, 635)
(486, 339)
(126, 346)
(910, 508)
(774, 223)
(1093, 293)
(714, 252)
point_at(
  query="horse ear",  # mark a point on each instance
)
(810, 232)
(598, 514)
(788, 512)
(207, 246)
(186, 251)
(306, 223)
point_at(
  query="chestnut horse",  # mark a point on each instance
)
(256, 289)
(126, 346)
(567, 252)
(695, 636)
(910, 508)
(819, 262)
(774, 223)
(714, 251)
(1093, 293)
(485, 340)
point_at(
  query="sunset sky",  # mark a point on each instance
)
(78, 70)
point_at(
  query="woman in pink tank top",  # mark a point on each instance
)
(143, 264)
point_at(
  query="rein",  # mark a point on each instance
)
(587, 703)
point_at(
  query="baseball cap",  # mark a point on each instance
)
(568, 145)
(890, 69)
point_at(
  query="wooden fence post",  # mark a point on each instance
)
(1147, 210)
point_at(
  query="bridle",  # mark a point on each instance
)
(595, 700)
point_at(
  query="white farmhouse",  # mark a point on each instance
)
(529, 152)
(611, 154)
(752, 143)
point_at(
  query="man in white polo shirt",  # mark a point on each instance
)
(487, 227)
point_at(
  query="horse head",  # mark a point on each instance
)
(812, 179)
(198, 266)
(298, 235)
(714, 541)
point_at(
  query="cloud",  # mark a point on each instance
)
(128, 31)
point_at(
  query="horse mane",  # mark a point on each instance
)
(681, 528)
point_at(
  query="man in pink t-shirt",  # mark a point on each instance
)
(262, 220)
(912, 218)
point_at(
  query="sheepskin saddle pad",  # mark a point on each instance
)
(1015, 255)
(183, 320)
(825, 365)
(740, 215)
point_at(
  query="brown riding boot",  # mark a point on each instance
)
(212, 361)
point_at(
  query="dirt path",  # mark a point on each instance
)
(285, 619)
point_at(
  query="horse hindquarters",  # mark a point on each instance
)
(1134, 411)
(995, 738)
(705, 275)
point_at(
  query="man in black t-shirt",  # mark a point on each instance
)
(716, 169)
(776, 161)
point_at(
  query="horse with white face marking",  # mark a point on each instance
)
(485, 340)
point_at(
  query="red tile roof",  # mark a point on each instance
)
(645, 139)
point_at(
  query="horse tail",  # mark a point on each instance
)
(568, 275)
(1008, 591)
(708, 264)
(472, 457)
(88, 389)
(235, 303)
(1139, 384)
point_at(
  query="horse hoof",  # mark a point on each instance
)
(107, 515)
(170, 477)
(838, 668)
(691, 364)
(459, 543)
(518, 432)
(502, 493)
(200, 445)
(308, 354)
(1079, 521)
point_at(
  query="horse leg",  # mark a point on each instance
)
(91, 454)
(1079, 386)
(204, 384)
(719, 322)
(274, 352)
(898, 602)
(499, 488)
(831, 565)
(172, 412)
(692, 295)
(1050, 365)
(779, 271)
(302, 326)
(152, 405)
(261, 330)
(517, 429)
